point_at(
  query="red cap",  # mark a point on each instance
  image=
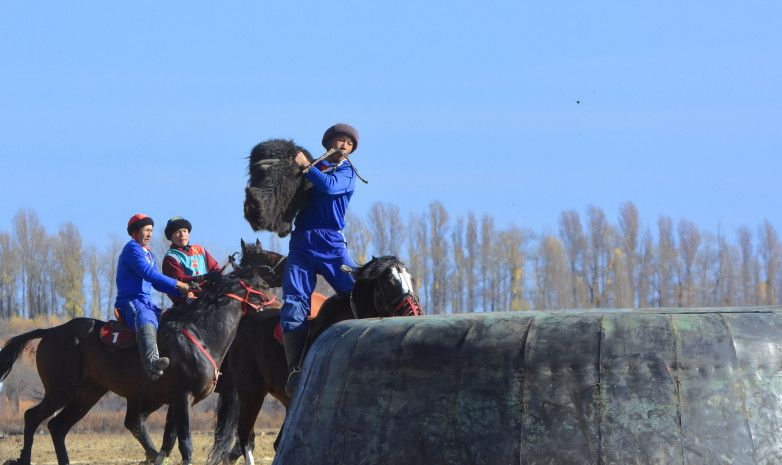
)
(137, 222)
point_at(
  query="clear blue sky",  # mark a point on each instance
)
(112, 108)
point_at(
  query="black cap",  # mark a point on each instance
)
(176, 223)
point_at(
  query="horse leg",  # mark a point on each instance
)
(88, 395)
(169, 439)
(250, 404)
(181, 412)
(136, 416)
(33, 417)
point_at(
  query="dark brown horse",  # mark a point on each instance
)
(77, 369)
(256, 366)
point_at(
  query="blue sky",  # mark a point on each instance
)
(110, 109)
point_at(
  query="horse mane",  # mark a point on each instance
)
(195, 313)
(375, 268)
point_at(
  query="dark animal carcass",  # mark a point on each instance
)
(276, 189)
(569, 387)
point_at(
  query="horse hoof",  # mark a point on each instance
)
(161, 460)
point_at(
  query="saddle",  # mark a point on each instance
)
(116, 334)
(316, 302)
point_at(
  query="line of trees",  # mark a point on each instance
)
(461, 265)
(468, 264)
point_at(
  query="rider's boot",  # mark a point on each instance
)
(151, 362)
(294, 353)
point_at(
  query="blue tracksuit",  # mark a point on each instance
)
(137, 274)
(317, 245)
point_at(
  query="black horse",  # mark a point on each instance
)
(256, 366)
(77, 369)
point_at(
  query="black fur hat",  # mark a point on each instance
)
(176, 223)
(340, 128)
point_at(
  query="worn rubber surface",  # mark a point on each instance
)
(672, 386)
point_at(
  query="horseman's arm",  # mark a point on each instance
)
(162, 283)
(339, 181)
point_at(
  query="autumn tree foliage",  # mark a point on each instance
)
(460, 264)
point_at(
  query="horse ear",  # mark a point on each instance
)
(258, 243)
(244, 246)
(347, 269)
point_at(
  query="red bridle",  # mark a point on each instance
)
(411, 305)
(246, 300)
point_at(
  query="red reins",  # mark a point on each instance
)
(246, 300)
(217, 371)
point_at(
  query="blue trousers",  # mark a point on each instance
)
(311, 253)
(139, 312)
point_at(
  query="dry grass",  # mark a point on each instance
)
(111, 449)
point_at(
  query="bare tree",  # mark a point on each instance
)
(646, 270)
(551, 276)
(726, 287)
(689, 241)
(747, 286)
(418, 256)
(358, 237)
(457, 277)
(573, 239)
(704, 272)
(9, 263)
(32, 244)
(472, 253)
(769, 253)
(666, 262)
(438, 248)
(486, 262)
(599, 254)
(514, 242)
(93, 268)
(70, 276)
(108, 268)
(388, 232)
(619, 284)
(630, 227)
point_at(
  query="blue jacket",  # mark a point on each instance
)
(137, 274)
(333, 186)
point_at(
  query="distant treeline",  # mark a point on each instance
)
(461, 265)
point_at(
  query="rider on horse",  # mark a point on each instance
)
(317, 245)
(136, 274)
(187, 262)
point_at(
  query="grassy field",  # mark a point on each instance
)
(110, 449)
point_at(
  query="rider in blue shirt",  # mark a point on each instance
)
(137, 274)
(317, 244)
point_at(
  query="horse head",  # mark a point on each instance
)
(384, 287)
(269, 265)
(246, 284)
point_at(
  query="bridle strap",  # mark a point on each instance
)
(217, 371)
(246, 299)
(414, 309)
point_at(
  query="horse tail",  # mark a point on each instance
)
(227, 416)
(14, 348)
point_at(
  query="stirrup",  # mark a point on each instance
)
(293, 379)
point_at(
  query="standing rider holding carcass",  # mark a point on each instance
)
(317, 244)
